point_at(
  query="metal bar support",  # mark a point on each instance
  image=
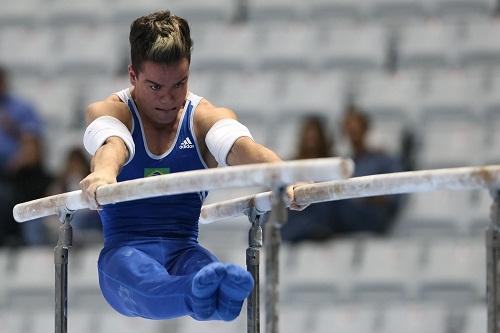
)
(253, 266)
(61, 253)
(493, 265)
(272, 244)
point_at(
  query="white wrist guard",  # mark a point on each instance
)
(221, 137)
(104, 127)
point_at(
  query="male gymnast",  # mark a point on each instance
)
(152, 265)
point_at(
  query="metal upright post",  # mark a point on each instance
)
(253, 266)
(272, 244)
(493, 265)
(61, 271)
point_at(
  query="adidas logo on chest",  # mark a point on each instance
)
(186, 144)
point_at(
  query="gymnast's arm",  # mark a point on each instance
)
(244, 150)
(112, 155)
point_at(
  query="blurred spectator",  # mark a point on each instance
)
(314, 141)
(315, 222)
(86, 223)
(323, 221)
(22, 173)
(373, 214)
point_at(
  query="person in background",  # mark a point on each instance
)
(313, 140)
(314, 223)
(86, 223)
(22, 173)
(327, 220)
(372, 214)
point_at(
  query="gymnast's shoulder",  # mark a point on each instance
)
(207, 114)
(110, 106)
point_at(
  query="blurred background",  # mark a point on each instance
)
(420, 77)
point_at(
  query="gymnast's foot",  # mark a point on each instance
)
(205, 285)
(234, 288)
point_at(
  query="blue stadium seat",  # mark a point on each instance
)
(346, 319)
(14, 321)
(445, 137)
(203, 83)
(97, 90)
(464, 8)
(307, 92)
(85, 292)
(386, 269)
(462, 279)
(92, 12)
(479, 47)
(113, 321)
(450, 120)
(27, 290)
(332, 266)
(4, 275)
(435, 214)
(426, 46)
(54, 100)
(203, 11)
(27, 59)
(338, 10)
(400, 11)
(23, 13)
(352, 47)
(476, 319)
(225, 47)
(295, 318)
(42, 321)
(285, 46)
(390, 101)
(415, 318)
(480, 212)
(189, 325)
(277, 10)
(84, 51)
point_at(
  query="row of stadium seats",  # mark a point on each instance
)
(449, 274)
(57, 12)
(404, 317)
(362, 270)
(405, 96)
(448, 111)
(83, 50)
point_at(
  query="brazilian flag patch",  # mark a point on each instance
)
(148, 172)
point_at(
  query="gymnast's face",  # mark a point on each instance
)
(160, 90)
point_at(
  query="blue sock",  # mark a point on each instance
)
(234, 288)
(205, 285)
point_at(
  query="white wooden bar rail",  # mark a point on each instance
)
(465, 178)
(263, 174)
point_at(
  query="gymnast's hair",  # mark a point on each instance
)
(159, 37)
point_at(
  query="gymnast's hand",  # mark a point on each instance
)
(106, 164)
(290, 197)
(91, 183)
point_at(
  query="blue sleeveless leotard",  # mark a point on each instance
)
(174, 216)
(152, 265)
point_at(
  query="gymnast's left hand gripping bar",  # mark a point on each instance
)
(262, 174)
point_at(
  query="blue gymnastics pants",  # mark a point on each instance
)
(160, 278)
